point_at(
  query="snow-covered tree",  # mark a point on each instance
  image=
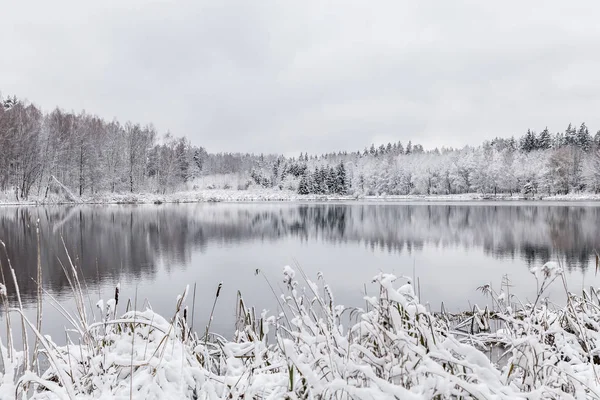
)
(544, 140)
(341, 179)
(89, 155)
(528, 141)
(593, 170)
(570, 136)
(583, 138)
(303, 186)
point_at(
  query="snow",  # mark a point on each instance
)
(549, 270)
(396, 349)
(288, 274)
(193, 196)
(260, 195)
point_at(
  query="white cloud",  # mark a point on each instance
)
(312, 75)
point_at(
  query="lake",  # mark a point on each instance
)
(156, 250)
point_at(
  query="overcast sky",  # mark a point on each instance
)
(317, 76)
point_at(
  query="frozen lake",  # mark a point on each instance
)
(156, 250)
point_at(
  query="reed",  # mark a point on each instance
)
(314, 348)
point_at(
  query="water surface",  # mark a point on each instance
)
(156, 250)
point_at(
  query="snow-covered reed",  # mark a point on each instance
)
(316, 349)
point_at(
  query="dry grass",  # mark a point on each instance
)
(314, 349)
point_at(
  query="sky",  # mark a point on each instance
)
(294, 76)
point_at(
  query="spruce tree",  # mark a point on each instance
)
(331, 180)
(570, 136)
(544, 140)
(512, 144)
(303, 185)
(322, 180)
(559, 140)
(315, 182)
(528, 142)
(400, 148)
(340, 179)
(583, 138)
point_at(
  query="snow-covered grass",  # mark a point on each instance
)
(574, 197)
(261, 194)
(313, 348)
(583, 196)
(192, 196)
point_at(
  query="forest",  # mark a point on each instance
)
(90, 155)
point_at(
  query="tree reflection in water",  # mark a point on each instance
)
(107, 241)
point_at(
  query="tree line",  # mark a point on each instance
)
(324, 180)
(90, 155)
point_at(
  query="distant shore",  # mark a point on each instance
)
(221, 195)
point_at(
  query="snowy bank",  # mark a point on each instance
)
(196, 196)
(316, 349)
(485, 197)
(259, 195)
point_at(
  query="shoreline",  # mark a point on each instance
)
(235, 196)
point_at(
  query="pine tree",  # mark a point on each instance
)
(322, 180)
(409, 148)
(340, 179)
(544, 140)
(512, 144)
(303, 185)
(275, 171)
(559, 140)
(400, 148)
(583, 138)
(570, 136)
(597, 139)
(372, 150)
(528, 142)
(315, 182)
(330, 180)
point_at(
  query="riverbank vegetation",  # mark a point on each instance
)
(310, 348)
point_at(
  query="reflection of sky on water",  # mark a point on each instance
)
(158, 250)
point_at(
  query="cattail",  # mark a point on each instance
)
(219, 288)
(116, 296)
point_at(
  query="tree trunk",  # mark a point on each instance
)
(80, 171)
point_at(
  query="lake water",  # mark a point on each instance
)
(156, 250)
